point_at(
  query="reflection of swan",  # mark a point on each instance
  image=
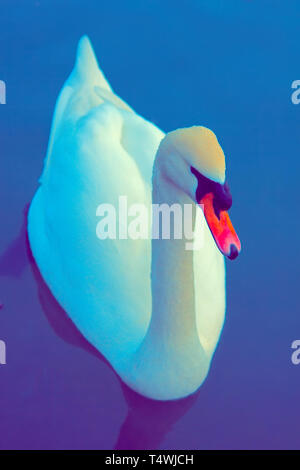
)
(14, 259)
(158, 328)
(148, 421)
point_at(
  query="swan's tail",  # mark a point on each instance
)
(88, 83)
(86, 66)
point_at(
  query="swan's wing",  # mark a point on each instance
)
(87, 88)
(99, 150)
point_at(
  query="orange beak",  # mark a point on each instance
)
(221, 228)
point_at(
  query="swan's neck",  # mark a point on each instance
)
(170, 361)
(172, 273)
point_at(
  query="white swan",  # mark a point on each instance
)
(157, 327)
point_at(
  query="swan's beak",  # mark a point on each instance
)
(221, 228)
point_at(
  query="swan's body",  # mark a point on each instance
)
(159, 336)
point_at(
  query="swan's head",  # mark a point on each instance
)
(196, 163)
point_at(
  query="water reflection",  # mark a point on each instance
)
(14, 260)
(148, 421)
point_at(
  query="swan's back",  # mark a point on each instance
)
(98, 150)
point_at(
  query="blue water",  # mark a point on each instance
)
(227, 65)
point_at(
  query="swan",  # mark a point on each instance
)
(154, 309)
